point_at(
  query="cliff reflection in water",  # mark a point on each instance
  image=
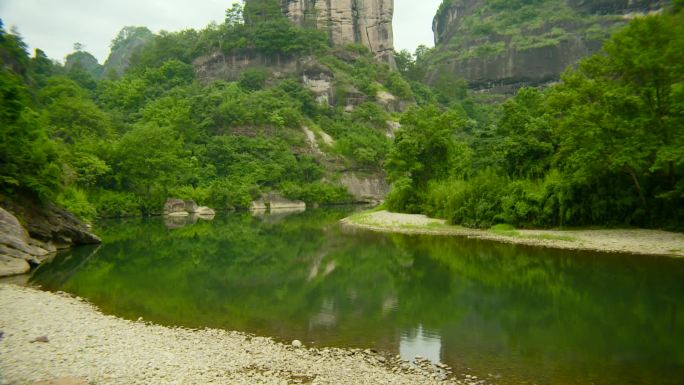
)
(527, 315)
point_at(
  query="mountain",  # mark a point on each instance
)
(349, 21)
(501, 45)
(83, 61)
(124, 46)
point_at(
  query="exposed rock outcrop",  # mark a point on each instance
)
(129, 40)
(175, 207)
(365, 188)
(220, 66)
(481, 44)
(51, 227)
(203, 212)
(273, 201)
(367, 22)
(54, 228)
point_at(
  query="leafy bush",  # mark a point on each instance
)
(253, 79)
(232, 193)
(76, 202)
(316, 192)
(114, 204)
(29, 161)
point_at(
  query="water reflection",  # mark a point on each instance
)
(420, 343)
(177, 222)
(529, 315)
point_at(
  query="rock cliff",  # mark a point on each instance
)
(501, 46)
(367, 22)
(43, 230)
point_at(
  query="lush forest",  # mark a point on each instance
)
(604, 146)
(118, 140)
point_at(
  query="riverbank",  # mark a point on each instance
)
(92, 348)
(635, 241)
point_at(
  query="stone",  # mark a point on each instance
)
(43, 339)
(17, 248)
(191, 206)
(297, 344)
(174, 205)
(51, 225)
(388, 101)
(13, 266)
(367, 22)
(204, 211)
(365, 188)
(273, 201)
(319, 80)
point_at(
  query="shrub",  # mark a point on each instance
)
(317, 192)
(113, 204)
(76, 201)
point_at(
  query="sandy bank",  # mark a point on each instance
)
(647, 242)
(100, 349)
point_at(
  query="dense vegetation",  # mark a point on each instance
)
(603, 146)
(105, 145)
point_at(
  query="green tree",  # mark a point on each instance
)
(29, 161)
(150, 159)
(234, 15)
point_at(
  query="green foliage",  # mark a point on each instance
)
(492, 27)
(76, 202)
(232, 192)
(115, 204)
(604, 146)
(316, 192)
(360, 136)
(29, 161)
(132, 139)
(253, 79)
(149, 158)
(234, 15)
(528, 145)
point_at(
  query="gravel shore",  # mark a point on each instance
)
(88, 346)
(635, 241)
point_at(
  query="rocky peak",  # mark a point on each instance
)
(500, 46)
(367, 22)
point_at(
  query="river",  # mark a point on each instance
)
(506, 314)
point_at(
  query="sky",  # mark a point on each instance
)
(55, 25)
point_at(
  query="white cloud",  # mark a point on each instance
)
(54, 26)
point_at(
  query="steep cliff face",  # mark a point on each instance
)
(367, 22)
(502, 45)
(124, 45)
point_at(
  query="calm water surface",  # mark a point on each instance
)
(505, 313)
